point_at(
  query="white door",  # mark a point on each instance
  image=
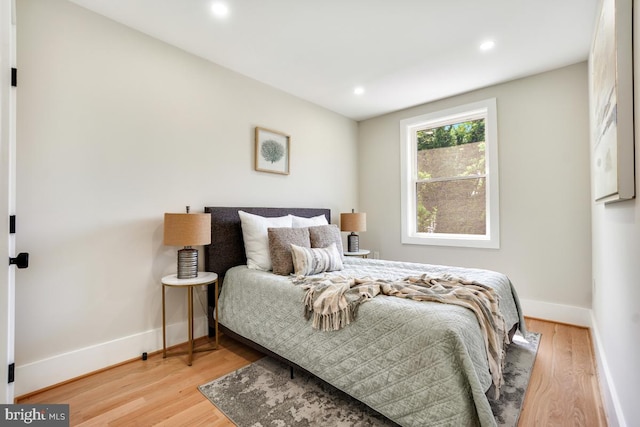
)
(7, 195)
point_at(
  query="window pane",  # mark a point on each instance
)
(452, 207)
(451, 151)
(449, 195)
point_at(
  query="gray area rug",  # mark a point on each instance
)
(263, 394)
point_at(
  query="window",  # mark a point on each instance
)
(450, 177)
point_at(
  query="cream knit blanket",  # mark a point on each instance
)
(332, 302)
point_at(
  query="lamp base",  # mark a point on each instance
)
(353, 243)
(187, 263)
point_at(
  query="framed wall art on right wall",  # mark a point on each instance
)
(611, 103)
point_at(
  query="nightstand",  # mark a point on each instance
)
(362, 253)
(204, 278)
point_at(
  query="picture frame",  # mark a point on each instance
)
(611, 103)
(272, 151)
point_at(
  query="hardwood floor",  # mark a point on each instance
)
(563, 390)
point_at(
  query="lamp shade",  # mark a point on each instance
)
(354, 221)
(187, 229)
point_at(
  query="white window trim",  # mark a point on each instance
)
(408, 129)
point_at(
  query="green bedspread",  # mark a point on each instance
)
(418, 363)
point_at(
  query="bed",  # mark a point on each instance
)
(417, 363)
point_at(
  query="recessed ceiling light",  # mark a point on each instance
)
(359, 90)
(487, 45)
(220, 9)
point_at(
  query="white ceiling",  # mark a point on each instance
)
(403, 52)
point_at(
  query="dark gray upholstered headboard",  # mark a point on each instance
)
(227, 247)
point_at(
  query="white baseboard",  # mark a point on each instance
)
(615, 416)
(583, 317)
(44, 373)
(560, 313)
(38, 375)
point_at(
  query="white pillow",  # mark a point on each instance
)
(308, 261)
(256, 238)
(300, 221)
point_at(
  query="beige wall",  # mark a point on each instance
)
(544, 187)
(111, 124)
(616, 269)
(114, 129)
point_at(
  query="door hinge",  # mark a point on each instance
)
(14, 77)
(12, 224)
(12, 372)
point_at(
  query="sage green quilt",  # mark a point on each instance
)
(418, 363)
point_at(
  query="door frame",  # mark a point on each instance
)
(7, 194)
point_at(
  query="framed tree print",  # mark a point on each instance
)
(272, 151)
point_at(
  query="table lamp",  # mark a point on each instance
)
(187, 229)
(353, 222)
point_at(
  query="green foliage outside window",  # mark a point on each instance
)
(451, 135)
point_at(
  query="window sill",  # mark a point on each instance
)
(464, 241)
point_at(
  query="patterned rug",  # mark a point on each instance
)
(263, 394)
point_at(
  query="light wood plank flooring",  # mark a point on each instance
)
(563, 390)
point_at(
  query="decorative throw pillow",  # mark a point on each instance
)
(280, 241)
(322, 236)
(307, 261)
(256, 240)
(300, 221)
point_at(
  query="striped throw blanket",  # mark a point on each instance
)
(332, 303)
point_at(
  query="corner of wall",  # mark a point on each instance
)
(561, 313)
(583, 317)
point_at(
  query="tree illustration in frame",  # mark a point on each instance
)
(272, 151)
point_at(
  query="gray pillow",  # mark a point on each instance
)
(280, 240)
(308, 261)
(322, 236)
